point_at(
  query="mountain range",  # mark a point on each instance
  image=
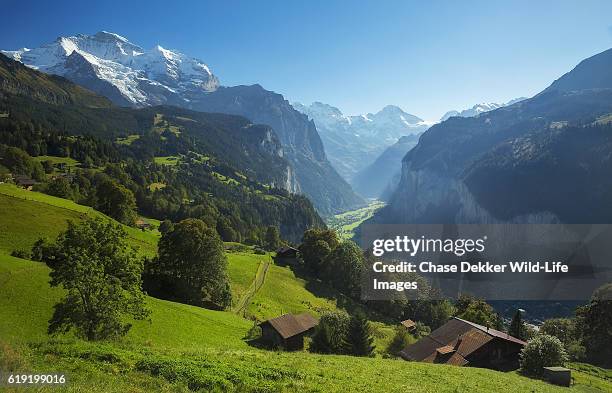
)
(541, 160)
(479, 108)
(224, 169)
(129, 75)
(354, 142)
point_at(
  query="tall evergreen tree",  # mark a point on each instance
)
(273, 240)
(359, 340)
(517, 326)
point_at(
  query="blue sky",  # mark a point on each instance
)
(427, 57)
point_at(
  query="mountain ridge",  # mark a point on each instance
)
(497, 167)
(354, 142)
(110, 65)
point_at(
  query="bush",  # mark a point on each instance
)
(576, 352)
(542, 351)
(400, 340)
(23, 254)
(330, 333)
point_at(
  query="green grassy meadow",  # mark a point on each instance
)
(28, 216)
(346, 223)
(167, 160)
(183, 348)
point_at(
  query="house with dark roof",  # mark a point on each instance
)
(286, 256)
(288, 331)
(25, 182)
(463, 343)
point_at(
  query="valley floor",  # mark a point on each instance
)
(346, 223)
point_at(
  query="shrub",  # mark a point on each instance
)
(542, 351)
(330, 333)
(23, 254)
(400, 340)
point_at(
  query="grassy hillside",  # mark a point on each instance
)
(283, 292)
(186, 348)
(27, 300)
(28, 216)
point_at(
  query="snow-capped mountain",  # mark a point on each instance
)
(128, 74)
(479, 108)
(354, 142)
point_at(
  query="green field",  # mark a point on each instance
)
(128, 140)
(169, 160)
(28, 216)
(345, 223)
(185, 348)
(70, 162)
(283, 292)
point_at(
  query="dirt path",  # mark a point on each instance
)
(258, 281)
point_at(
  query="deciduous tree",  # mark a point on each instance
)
(191, 266)
(102, 278)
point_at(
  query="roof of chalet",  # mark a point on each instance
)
(462, 337)
(25, 181)
(408, 323)
(445, 349)
(285, 250)
(290, 325)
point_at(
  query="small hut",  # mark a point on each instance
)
(286, 256)
(25, 182)
(409, 324)
(142, 224)
(288, 331)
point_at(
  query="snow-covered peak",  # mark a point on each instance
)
(353, 142)
(392, 113)
(478, 109)
(142, 77)
(106, 35)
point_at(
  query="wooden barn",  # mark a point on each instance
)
(286, 256)
(463, 343)
(288, 331)
(25, 182)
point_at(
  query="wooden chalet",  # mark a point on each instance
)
(25, 182)
(286, 256)
(464, 343)
(288, 331)
(142, 224)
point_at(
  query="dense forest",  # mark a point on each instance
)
(160, 162)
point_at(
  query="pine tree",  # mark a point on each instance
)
(273, 240)
(517, 326)
(359, 339)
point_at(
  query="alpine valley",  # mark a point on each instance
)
(168, 162)
(516, 163)
(354, 142)
(129, 75)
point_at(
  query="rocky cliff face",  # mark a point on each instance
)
(313, 173)
(354, 142)
(383, 174)
(541, 160)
